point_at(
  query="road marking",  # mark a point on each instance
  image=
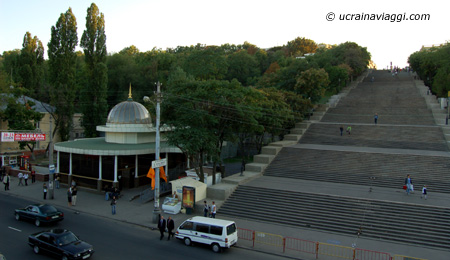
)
(15, 229)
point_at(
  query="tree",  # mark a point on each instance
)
(300, 46)
(242, 66)
(94, 93)
(205, 64)
(62, 61)
(312, 84)
(21, 116)
(31, 62)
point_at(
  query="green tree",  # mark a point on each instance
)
(62, 61)
(300, 46)
(208, 63)
(20, 115)
(312, 84)
(242, 66)
(31, 62)
(94, 93)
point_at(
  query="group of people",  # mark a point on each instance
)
(409, 187)
(348, 131)
(164, 225)
(209, 211)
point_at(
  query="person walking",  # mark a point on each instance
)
(25, 178)
(349, 129)
(69, 196)
(20, 176)
(113, 205)
(74, 195)
(375, 118)
(341, 129)
(170, 227)
(424, 192)
(6, 180)
(57, 179)
(205, 209)
(408, 183)
(33, 176)
(213, 210)
(161, 226)
(45, 190)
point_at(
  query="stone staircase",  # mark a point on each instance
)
(411, 138)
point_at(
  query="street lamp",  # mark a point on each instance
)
(156, 210)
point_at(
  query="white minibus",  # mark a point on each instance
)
(217, 233)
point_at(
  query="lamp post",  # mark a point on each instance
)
(51, 166)
(156, 210)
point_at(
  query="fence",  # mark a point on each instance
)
(284, 244)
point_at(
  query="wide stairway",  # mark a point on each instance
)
(304, 186)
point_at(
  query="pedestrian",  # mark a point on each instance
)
(25, 178)
(349, 129)
(375, 118)
(341, 129)
(205, 209)
(45, 190)
(162, 227)
(74, 195)
(106, 192)
(424, 192)
(33, 176)
(74, 183)
(113, 205)
(175, 195)
(170, 227)
(213, 210)
(20, 175)
(69, 196)
(409, 184)
(6, 181)
(57, 179)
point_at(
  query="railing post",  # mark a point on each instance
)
(354, 254)
(253, 239)
(317, 250)
(284, 244)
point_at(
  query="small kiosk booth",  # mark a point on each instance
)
(191, 191)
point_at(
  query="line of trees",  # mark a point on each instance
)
(212, 94)
(432, 65)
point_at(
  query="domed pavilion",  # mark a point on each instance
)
(123, 156)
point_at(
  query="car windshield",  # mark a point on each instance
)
(67, 238)
(46, 209)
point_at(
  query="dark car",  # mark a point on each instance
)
(60, 243)
(39, 213)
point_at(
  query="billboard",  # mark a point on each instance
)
(22, 137)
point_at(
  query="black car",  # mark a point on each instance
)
(39, 213)
(60, 243)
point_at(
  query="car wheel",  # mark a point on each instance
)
(36, 249)
(17, 216)
(187, 241)
(37, 222)
(215, 248)
(64, 257)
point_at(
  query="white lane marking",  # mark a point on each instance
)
(15, 229)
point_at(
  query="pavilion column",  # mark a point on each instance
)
(69, 177)
(136, 171)
(57, 162)
(99, 181)
(166, 168)
(116, 162)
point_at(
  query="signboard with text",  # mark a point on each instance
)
(22, 137)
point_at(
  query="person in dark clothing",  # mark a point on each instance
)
(170, 227)
(162, 226)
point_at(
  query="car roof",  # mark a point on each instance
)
(211, 221)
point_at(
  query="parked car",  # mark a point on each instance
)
(39, 213)
(2, 257)
(217, 233)
(60, 243)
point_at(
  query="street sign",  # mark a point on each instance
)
(51, 168)
(159, 163)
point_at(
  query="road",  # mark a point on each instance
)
(111, 239)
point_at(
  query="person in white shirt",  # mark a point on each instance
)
(213, 210)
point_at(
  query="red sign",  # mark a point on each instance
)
(22, 137)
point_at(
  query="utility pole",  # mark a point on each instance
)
(156, 210)
(51, 166)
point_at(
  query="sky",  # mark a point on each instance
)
(162, 24)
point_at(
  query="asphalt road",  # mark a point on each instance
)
(111, 239)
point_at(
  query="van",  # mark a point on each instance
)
(217, 233)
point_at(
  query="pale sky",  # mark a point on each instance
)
(162, 24)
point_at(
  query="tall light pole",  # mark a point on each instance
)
(156, 210)
(51, 166)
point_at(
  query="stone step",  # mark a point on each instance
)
(297, 131)
(220, 191)
(302, 125)
(291, 137)
(256, 167)
(265, 158)
(270, 150)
